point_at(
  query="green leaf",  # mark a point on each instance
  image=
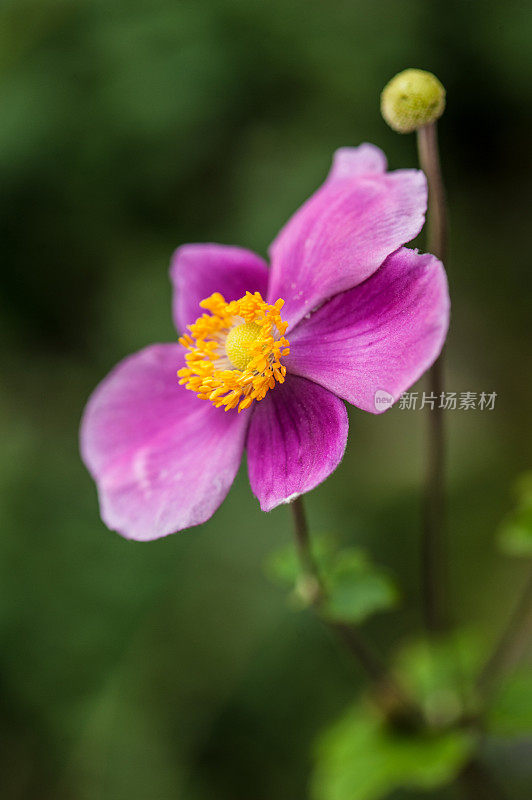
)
(356, 589)
(511, 711)
(361, 758)
(515, 533)
(440, 675)
(515, 536)
(283, 565)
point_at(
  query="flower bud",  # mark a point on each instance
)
(307, 590)
(412, 99)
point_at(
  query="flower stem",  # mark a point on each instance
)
(433, 546)
(429, 159)
(368, 659)
(478, 783)
(301, 531)
(512, 643)
(388, 695)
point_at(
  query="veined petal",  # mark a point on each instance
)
(381, 335)
(199, 270)
(163, 460)
(344, 232)
(297, 437)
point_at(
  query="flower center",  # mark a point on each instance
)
(234, 351)
(239, 343)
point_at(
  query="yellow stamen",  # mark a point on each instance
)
(234, 352)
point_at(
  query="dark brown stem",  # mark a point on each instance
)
(433, 556)
(387, 694)
(350, 635)
(304, 551)
(512, 643)
(478, 783)
(365, 655)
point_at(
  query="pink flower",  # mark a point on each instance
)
(361, 314)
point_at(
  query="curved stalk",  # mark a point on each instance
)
(512, 643)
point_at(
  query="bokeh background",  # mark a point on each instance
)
(175, 669)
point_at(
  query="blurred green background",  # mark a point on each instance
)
(174, 669)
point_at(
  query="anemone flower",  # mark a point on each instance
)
(267, 356)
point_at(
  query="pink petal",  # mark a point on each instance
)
(297, 437)
(344, 232)
(163, 460)
(348, 162)
(381, 335)
(199, 270)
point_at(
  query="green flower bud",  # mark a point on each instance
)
(412, 99)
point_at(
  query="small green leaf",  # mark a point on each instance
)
(515, 533)
(511, 711)
(515, 536)
(440, 675)
(361, 758)
(283, 565)
(523, 488)
(356, 589)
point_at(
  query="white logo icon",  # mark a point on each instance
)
(383, 400)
